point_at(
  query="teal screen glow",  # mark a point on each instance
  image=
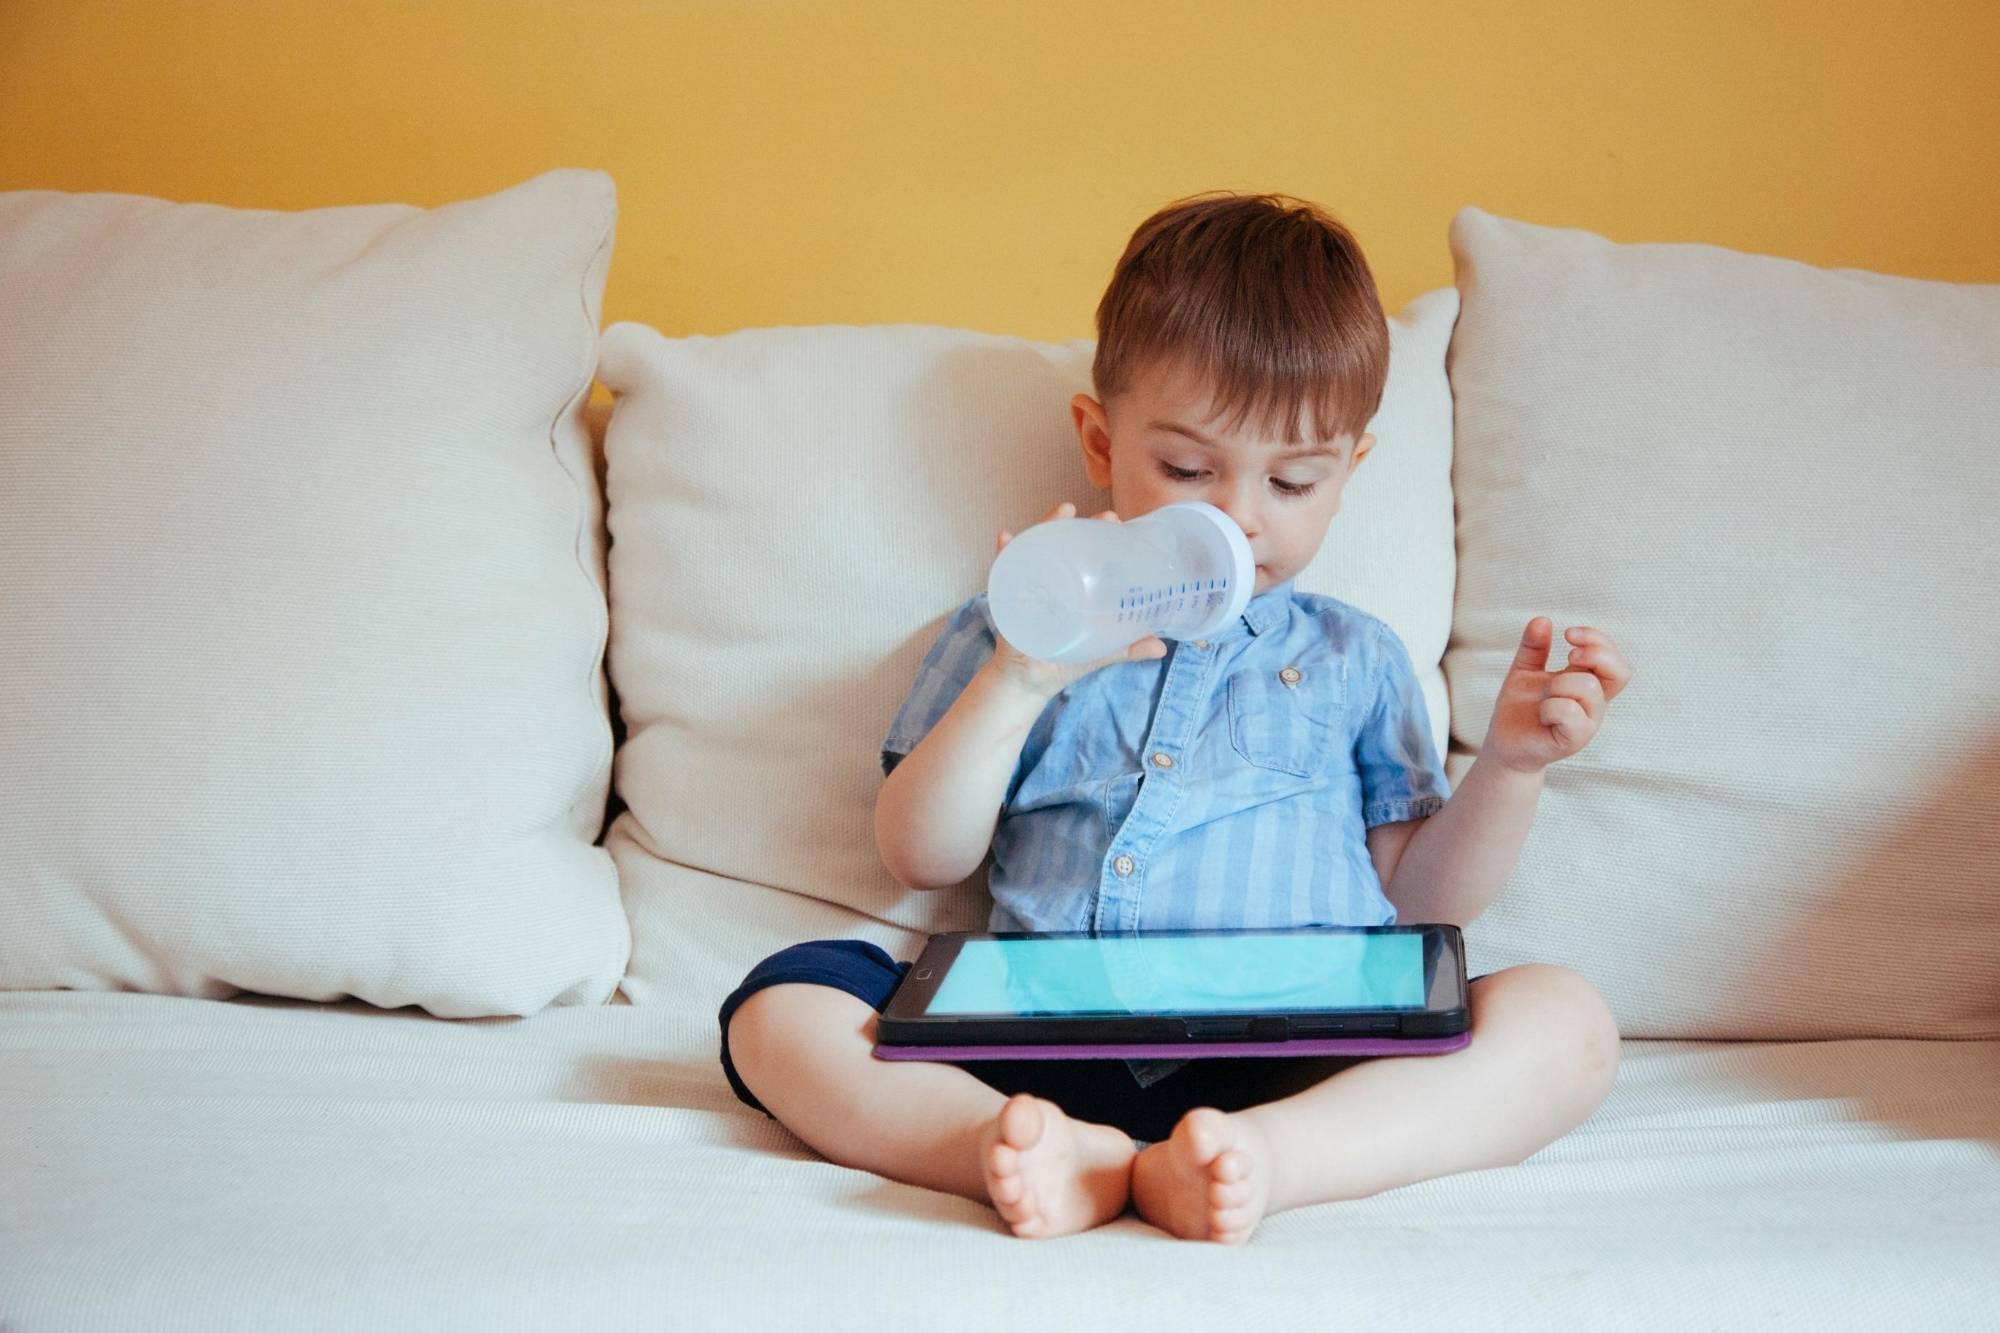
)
(1181, 974)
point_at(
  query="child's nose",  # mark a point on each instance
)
(1244, 516)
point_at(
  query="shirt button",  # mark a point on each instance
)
(1164, 760)
(1123, 865)
(1201, 644)
(1290, 675)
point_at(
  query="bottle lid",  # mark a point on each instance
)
(1243, 566)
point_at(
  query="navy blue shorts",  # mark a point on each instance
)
(1102, 1090)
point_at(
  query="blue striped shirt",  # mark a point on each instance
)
(1229, 785)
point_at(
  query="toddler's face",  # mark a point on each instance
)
(1157, 443)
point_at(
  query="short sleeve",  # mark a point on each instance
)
(1401, 777)
(962, 647)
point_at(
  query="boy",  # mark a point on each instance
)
(1281, 773)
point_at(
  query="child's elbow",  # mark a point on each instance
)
(910, 878)
(910, 881)
(891, 845)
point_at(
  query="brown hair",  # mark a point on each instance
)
(1267, 297)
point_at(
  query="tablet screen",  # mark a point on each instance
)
(1181, 974)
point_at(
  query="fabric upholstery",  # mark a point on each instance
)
(301, 600)
(1775, 487)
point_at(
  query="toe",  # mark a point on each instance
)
(1228, 1219)
(1204, 1134)
(1230, 1166)
(1003, 1157)
(1021, 1121)
(1006, 1190)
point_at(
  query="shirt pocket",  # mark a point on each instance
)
(1287, 720)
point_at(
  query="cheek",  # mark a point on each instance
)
(1143, 483)
(1303, 533)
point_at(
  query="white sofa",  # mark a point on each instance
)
(329, 1000)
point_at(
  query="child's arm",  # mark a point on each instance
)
(936, 812)
(1448, 867)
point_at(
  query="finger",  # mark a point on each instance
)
(1536, 640)
(1063, 510)
(1001, 541)
(1566, 718)
(1589, 636)
(1149, 649)
(1582, 687)
(1607, 664)
(1605, 661)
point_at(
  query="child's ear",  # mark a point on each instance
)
(1093, 434)
(1361, 448)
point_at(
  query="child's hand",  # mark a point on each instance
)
(1542, 716)
(1049, 678)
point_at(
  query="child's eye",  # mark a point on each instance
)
(1285, 488)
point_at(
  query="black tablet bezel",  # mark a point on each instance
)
(904, 1023)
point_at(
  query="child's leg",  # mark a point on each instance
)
(1543, 1056)
(806, 1052)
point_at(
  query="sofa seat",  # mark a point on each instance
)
(181, 1163)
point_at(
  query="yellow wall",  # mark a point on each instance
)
(981, 164)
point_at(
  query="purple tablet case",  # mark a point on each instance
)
(1185, 1050)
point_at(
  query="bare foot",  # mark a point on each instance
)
(1049, 1175)
(1209, 1181)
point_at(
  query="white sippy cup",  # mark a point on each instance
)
(1077, 589)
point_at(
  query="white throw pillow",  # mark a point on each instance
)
(795, 511)
(301, 600)
(1775, 486)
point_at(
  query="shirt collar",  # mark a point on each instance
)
(1267, 609)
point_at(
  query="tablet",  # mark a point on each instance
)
(1311, 990)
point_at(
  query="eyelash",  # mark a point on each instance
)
(1286, 489)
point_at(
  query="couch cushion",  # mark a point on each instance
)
(263, 1164)
(794, 512)
(1775, 486)
(301, 602)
